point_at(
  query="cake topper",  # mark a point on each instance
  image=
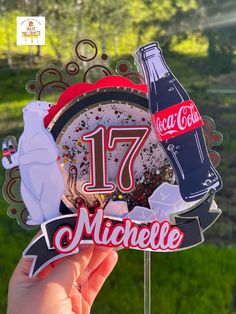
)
(93, 169)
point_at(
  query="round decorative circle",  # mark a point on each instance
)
(86, 50)
(50, 75)
(123, 67)
(72, 68)
(104, 56)
(95, 72)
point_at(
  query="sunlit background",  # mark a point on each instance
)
(198, 38)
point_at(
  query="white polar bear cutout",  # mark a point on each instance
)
(42, 184)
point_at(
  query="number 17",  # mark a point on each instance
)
(101, 140)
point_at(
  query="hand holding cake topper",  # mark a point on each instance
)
(42, 183)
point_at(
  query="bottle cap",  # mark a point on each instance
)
(147, 50)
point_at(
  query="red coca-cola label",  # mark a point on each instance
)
(176, 120)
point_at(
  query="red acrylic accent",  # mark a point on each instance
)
(78, 89)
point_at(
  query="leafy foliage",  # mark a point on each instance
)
(121, 26)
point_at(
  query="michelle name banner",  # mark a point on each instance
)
(63, 235)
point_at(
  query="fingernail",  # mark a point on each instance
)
(83, 247)
(103, 248)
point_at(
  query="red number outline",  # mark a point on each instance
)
(108, 186)
(134, 141)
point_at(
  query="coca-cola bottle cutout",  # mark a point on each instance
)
(9, 147)
(177, 124)
(12, 144)
(5, 152)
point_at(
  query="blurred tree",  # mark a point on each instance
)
(108, 16)
(167, 19)
(27, 6)
(217, 22)
(61, 22)
(5, 6)
(161, 19)
(122, 25)
(61, 16)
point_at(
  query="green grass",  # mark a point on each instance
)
(202, 280)
(198, 281)
(13, 239)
